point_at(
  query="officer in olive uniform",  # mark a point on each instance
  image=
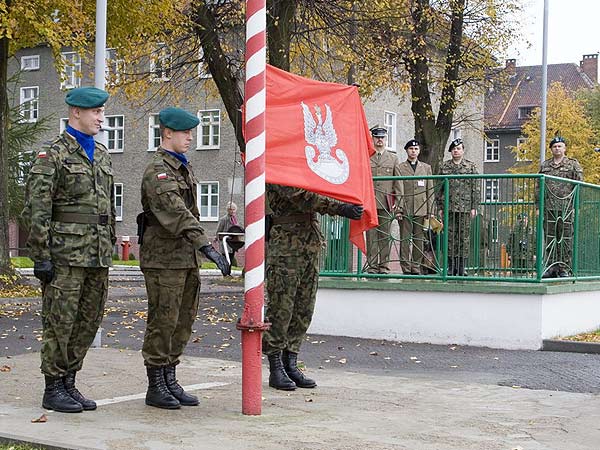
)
(172, 240)
(387, 194)
(558, 212)
(293, 249)
(463, 201)
(521, 245)
(416, 204)
(70, 212)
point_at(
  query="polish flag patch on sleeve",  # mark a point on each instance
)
(42, 154)
(162, 176)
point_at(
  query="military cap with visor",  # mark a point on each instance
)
(177, 119)
(378, 132)
(556, 140)
(455, 143)
(86, 97)
(412, 143)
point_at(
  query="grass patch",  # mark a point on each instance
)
(592, 336)
(5, 446)
(131, 262)
(22, 262)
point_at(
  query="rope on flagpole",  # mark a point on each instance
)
(251, 323)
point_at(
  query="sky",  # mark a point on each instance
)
(573, 31)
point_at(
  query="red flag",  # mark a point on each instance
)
(318, 139)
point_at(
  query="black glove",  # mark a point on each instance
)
(351, 211)
(43, 271)
(210, 252)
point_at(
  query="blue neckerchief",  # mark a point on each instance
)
(180, 156)
(85, 140)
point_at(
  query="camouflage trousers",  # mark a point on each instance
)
(459, 230)
(558, 238)
(379, 243)
(173, 296)
(292, 283)
(412, 240)
(72, 309)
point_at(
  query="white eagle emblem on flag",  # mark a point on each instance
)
(327, 162)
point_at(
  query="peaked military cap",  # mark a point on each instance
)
(412, 143)
(455, 143)
(378, 132)
(86, 97)
(522, 215)
(177, 119)
(556, 140)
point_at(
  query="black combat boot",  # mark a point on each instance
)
(290, 365)
(452, 266)
(278, 379)
(158, 393)
(57, 398)
(462, 263)
(69, 382)
(176, 390)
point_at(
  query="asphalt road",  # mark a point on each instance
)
(215, 336)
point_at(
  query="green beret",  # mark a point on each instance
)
(177, 119)
(86, 97)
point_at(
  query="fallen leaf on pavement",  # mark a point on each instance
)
(5, 368)
(41, 419)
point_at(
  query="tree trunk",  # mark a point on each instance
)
(280, 20)
(5, 266)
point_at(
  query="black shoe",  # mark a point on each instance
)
(563, 274)
(57, 398)
(550, 273)
(176, 390)
(69, 382)
(290, 365)
(158, 393)
(278, 379)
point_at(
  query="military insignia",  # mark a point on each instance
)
(42, 154)
(327, 162)
(162, 176)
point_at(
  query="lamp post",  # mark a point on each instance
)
(544, 85)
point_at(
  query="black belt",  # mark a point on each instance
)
(295, 218)
(71, 217)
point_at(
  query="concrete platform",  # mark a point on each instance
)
(348, 411)
(490, 314)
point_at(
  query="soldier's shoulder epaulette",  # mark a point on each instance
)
(101, 146)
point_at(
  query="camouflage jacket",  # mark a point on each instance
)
(557, 190)
(521, 242)
(63, 185)
(173, 234)
(288, 239)
(464, 193)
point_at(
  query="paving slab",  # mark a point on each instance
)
(348, 411)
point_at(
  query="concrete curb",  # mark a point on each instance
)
(556, 345)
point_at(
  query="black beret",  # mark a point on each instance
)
(378, 132)
(556, 140)
(455, 143)
(522, 215)
(177, 119)
(86, 97)
(412, 143)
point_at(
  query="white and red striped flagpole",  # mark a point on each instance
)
(251, 323)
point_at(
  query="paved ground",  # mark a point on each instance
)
(371, 394)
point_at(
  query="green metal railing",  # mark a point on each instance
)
(527, 228)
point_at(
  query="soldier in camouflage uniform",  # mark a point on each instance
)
(293, 249)
(171, 242)
(558, 209)
(70, 213)
(462, 208)
(521, 245)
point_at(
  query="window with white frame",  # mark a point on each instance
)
(160, 63)
(209, 134)
(456, 133)
(525, 112)
(492, 150)
(492, 190)
(118, 194)
(208, 199)
(31, 62)
(23, 165)
(71, 75)
(520, 154)
(494, 230)
(389, 123)
(113, 66)
(153, 132)
(28, 102)
(115, 133)
(63, 124)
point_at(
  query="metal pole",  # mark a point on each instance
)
(251, 323)
(100, 55)
(544, 85)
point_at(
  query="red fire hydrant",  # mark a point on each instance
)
(125, 244)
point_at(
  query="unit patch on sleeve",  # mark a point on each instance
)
(162, 176)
